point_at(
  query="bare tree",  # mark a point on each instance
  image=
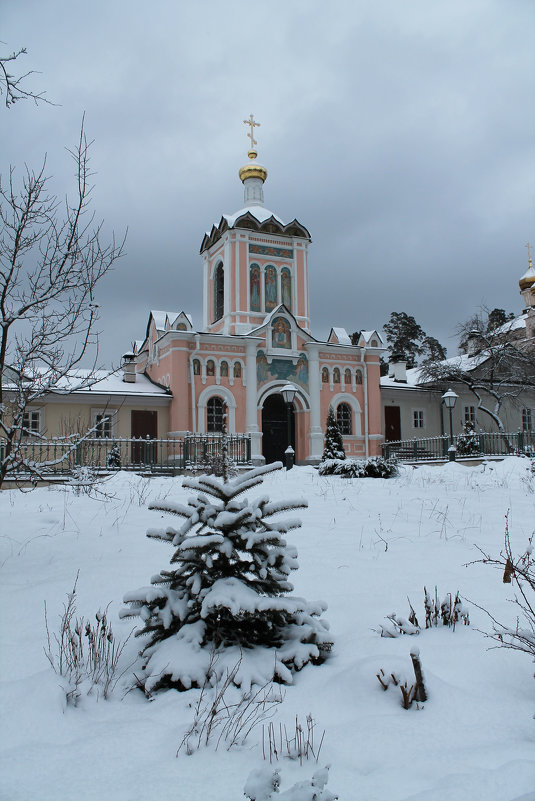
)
(497, 366)
(12, 85)
(51, 260)
(519, 571)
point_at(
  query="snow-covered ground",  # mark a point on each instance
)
(365, 545)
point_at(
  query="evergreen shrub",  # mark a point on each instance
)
(374, 467)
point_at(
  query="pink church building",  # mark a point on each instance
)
(255, 338)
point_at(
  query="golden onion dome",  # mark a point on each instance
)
(528, 279)
(252, 169)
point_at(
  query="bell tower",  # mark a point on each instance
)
(253, 261)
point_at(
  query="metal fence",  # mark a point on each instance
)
(62, 456)
(430, 449)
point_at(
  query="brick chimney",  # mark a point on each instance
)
(129, 368)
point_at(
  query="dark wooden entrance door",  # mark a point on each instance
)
(392, 423)
(275, 428)
(142, 425)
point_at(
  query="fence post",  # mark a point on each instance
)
(521, 442)
(248, 446)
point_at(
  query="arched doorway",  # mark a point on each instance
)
(275, 428)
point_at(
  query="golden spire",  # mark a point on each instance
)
(252, 170)
(530, 264)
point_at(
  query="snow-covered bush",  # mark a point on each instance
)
(412, 690)
(447, 613)
(227, 590)
(83, 480)
(300, 743)
(263, 785)
(334, 443)
(224, 715)
(114, 457)
(468, 441)
(375, 467)
(86, 655)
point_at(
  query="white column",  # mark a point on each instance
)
(227, 286)
(251, 413)
(206, 285)
(314, 379)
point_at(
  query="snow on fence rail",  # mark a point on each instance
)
(475, 444)
(59, 457)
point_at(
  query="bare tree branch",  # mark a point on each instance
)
(52, 257)
(12, 86)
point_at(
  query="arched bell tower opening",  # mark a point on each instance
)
(219, 292)
(275, 428)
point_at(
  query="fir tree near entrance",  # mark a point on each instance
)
(227, 591)
(334, 444)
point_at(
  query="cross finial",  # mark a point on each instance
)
(252, 125)
(529, 253)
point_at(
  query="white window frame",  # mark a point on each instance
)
(99, 413)
(469, 413)
(418, 418)
(32, 420)
(527, 419)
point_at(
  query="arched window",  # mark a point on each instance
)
(210, 367)
(286, 287)
(344, 418)
(336, 376)
(237, 370)
(325, 375)
(347, 376)
(271, 288)
(219, 292)
(223, 369)
(254, 287)
(196, 367)
(358, 377)
(215, 410)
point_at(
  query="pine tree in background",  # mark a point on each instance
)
(227, 592)
(334, 443)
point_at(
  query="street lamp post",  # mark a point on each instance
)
(450, 399)
(288, 393)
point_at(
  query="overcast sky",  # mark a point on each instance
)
(401, 133)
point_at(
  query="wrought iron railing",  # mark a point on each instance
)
(428, 449)
(63, 455)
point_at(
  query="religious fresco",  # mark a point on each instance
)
(271, 288)
(272, 252)
(281, 333)
(282, 370)
(286, 287)
(254, 287)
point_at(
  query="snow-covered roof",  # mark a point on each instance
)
(342, 336)
(160, 318)
(512, 325)
(102, 382)
(417, 380)
(113, 384)
(367, 335)
(259, 212)
(412, 382)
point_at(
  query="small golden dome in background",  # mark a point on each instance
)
(528, 279)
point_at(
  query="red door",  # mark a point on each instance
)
(392, 423)
(144, 425)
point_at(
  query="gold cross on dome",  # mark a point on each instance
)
(252, 125)
(529, 253)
